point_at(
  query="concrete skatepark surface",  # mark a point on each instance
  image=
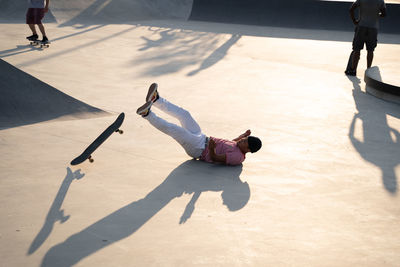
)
(323, 190)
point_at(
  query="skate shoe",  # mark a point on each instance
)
(44, 40)
(33, 37)
(152, 94)
(145, 109)
(350, 72)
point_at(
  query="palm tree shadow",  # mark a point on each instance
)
(191, 177)
(217, 55)
(55, 213)
(381, 143)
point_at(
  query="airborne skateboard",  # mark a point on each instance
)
(38, 42)
(87, 154)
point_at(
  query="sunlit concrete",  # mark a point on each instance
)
(323, 191)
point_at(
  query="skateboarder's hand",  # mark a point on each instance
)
(211, 144)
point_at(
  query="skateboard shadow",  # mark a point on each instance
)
(55, 213)
(381, 143)
(191, 177)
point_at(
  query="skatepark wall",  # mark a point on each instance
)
(27, 100)
(304, 14)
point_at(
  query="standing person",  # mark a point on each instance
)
(34, 15)
(190, 137)
(366, 30)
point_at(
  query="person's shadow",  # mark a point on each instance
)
(381, 143)
(191, 177)
(55, 213)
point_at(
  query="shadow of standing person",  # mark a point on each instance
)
(191, 177)
(381, 143)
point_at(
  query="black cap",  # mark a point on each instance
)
(254, 143)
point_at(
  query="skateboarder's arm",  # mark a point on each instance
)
(243, 135)
(46, 7)
(352, 10)
(214, 156)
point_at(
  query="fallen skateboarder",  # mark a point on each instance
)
(190, 137)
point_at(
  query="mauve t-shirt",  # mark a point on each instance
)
(234, 155)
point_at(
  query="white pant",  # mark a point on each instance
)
(189, 136)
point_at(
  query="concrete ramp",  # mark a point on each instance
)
(27, 100)
(101, 11)
(121, 11)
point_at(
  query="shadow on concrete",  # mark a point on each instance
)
(27, 100)
(175, 50)
(217, 55)
(21, 49)
(380, 144)
(74, 47)
(191, 177)
(55, 213)
(128, 11)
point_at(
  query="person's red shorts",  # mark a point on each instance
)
(34, 15)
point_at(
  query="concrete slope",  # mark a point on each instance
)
(26, 100)
(101, 11)
(305, 14)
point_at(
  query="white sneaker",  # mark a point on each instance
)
(145, 109)
(152, 94)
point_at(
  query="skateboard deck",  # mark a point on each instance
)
(87, 154)
(349, 63)
(38, 42)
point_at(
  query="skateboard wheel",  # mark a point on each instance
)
(119, 131)
(91, 159)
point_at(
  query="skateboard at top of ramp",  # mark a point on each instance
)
(27, 100)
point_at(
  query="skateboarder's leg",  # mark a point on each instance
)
(192, 143)
(371, 43)
(42, 30)
(370, 57)
(33, 29)
(356, 59)
(184, 117)
(358, 45)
